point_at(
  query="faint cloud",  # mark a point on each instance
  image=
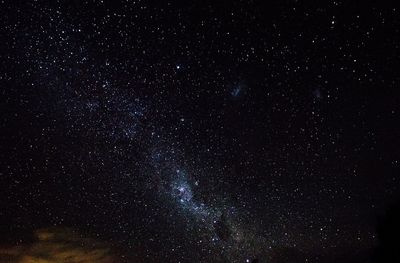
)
(59, 245)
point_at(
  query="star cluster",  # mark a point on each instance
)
(200, 131)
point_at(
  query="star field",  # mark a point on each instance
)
(198, 131)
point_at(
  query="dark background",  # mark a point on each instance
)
(282, 115)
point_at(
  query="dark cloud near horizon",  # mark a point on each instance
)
(60, 245)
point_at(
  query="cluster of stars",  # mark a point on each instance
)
(201, 132)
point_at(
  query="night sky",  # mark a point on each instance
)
(198, 131)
